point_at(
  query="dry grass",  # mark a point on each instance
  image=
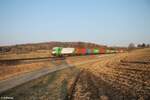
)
(49, 87)
(33, 54)
(7, 71)
(20, 67)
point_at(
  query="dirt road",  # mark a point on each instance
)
(22, 78)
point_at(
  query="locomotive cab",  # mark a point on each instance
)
(56, 51)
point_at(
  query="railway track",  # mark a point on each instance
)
(45, 58)
(29, 60)
(40, 59)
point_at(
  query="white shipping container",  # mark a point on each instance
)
(67, 50)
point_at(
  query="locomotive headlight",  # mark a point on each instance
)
(53, 52)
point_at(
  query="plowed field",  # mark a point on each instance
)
(121, 77)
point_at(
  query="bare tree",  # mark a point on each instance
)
(143, 45)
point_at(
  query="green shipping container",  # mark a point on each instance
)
(95, 51)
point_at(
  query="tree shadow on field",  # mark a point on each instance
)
(63, 89)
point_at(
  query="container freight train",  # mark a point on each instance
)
(60, 51)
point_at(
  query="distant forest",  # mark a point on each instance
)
(25, 48)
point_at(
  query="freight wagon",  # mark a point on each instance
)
(60, 51)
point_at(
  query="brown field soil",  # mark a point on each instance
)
(123, 76)
(78, 59)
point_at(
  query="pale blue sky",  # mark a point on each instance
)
(110, 22)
